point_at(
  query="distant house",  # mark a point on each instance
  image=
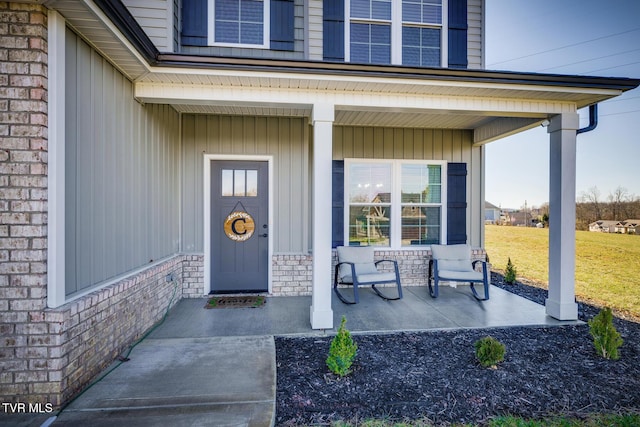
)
(491, 213)
(603, 226)
(522, 219)
(629, 226)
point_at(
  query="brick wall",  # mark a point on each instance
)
(412, 264)
(23, 200)
(292, 275)
(87, 334)
(193, 276)
(59, 351)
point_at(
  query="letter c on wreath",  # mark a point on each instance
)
(239, 226)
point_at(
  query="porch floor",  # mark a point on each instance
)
(204, 366)
(454, 308)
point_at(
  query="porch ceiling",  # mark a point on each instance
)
(352, 117)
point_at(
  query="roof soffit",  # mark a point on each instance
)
(474, 95)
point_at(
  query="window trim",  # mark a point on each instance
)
(266, 28)
(396, 31)
(395, 240)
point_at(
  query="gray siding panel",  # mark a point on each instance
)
(283, 138)
(122, 176)
(401, 143)
(475, 34)
(155, 18)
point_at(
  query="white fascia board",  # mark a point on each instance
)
(290, 98)
(390, 84)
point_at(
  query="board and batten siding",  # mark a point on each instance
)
(286, 139)
(121, 173)
(313, 37)
(156, 17)
(475, 34)
(420, 144)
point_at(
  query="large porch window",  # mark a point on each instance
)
(394, 203)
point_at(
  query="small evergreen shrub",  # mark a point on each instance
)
(342, 351)
(606, 338)
(510, 273)
(489, 352)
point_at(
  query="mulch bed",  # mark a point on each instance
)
(435, 376)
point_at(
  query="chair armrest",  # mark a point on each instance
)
(353, 269)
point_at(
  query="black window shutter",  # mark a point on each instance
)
(282, 25)
(194, 23)
(337, 203)
(456, 203)
(333, 30)
(458, 34)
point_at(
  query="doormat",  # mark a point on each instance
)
(248, 301)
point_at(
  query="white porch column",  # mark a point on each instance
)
(561, 302)
(322, 120)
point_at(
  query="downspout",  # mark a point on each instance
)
(593, 120)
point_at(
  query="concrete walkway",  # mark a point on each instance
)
(217, 367)
(217, 381)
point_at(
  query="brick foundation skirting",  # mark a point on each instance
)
(293, 274)
(62, 349)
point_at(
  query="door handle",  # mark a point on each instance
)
(264, 235)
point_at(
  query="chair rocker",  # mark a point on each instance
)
(356, 267)
(452, 263)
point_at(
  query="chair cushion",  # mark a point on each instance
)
(366, 279)
(463, 276)
(452, 257)
(361, 256)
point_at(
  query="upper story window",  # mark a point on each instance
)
(239, 23)
(407, 32)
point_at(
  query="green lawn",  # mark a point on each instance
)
(607, 265)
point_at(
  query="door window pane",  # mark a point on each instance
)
(239, 183)
(227, 183)
(252, 183)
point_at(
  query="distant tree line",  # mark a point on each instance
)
(617, 206)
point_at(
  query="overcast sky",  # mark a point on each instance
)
(580, 37)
